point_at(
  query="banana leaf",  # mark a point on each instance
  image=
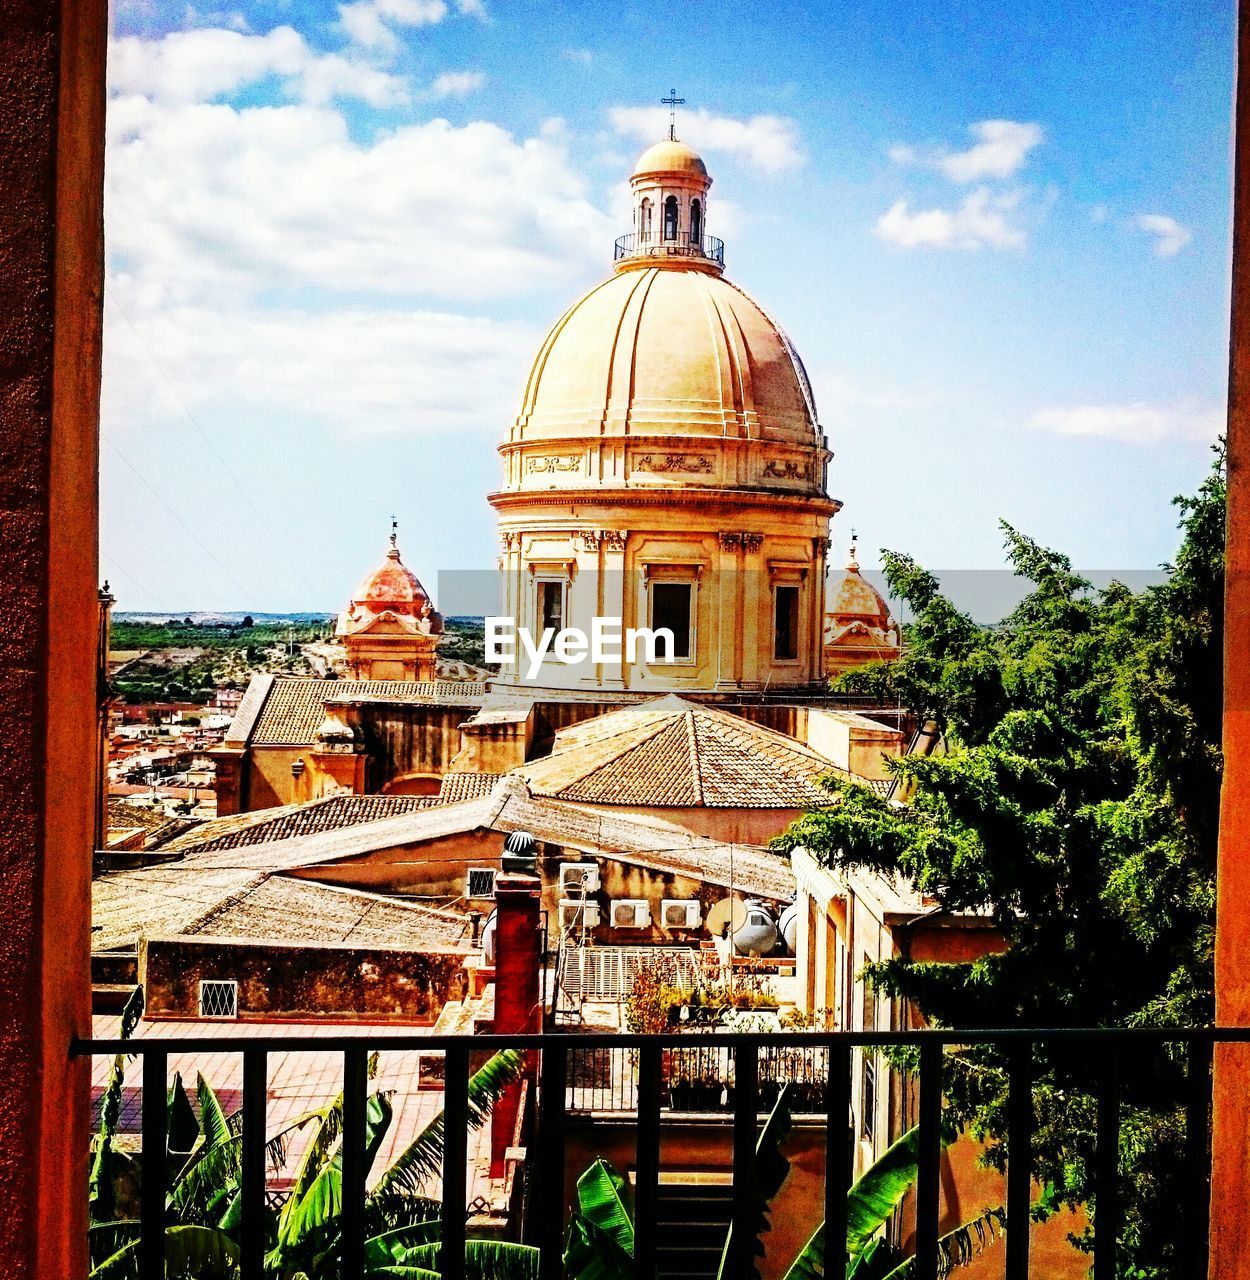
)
(483, 1260)
(100, 1198)
(771, 1168)
(423, 1157)
(202, 1253)
(959, 1247)
(599, 1243)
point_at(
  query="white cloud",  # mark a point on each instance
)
(207, 199)
(768, 142)
(457, 84)
(199, 65)
(582, 56)
(1170, 236)
(1000, 150)
(979, 220)
(1137, 423)
(348, 370)
(370, 22)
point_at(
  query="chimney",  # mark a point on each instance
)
(518, 961)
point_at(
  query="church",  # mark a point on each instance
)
(666, 469)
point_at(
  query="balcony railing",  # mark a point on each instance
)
(635, 246)
(754, 1061)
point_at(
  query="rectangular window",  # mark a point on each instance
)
(868, 1089)
(670, 608)
(786, 623)
(550, 606)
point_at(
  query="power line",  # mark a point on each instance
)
(147, 484)
(225, 466)
(125, 573)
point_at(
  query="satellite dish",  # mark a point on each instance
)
(728, 911)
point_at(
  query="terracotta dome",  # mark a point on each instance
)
(854, 597)
(392, 586)
(670, 156)
(664, 352)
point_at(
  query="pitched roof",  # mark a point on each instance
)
(293, 707)
(263, 826)
(456, 787)
(579, 829)
(669, 752)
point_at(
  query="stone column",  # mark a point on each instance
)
(51, 262)
(518, 960)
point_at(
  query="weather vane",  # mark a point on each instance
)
(394, 532)
(672, 102)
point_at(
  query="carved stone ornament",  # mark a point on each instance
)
(731, 541)
(820, 547)
(686, 463)
(509, 541)
(790, 469)
(549, 462)
(588, 539)
(752, 541)
(614, 539)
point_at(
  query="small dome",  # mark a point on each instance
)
(854, 597)
(392, 586)
(670, 156)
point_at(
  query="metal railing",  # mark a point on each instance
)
(1102, 1050)
(695, 1077)
(634, 246)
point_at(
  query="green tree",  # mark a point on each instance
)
(1076, 804)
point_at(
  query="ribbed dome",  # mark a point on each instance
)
(663, 351)
(391, 586)
(670, 156)
(855, 597)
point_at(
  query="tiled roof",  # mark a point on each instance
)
(265, 825)
(457, 787)
(670, 752)
(285, 909)
(580, 829)
(126, 817)
(295, 706)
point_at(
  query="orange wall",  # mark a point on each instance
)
(51, 259)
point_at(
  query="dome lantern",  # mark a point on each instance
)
(670, 184)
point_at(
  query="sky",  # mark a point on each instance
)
(998, 234)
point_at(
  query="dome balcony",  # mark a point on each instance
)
(701, 248)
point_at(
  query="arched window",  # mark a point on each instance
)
(670, 218)
(696, 222)
(644, 220)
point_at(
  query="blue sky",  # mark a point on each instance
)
(998, 234)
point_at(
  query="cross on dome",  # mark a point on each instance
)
(672, 102)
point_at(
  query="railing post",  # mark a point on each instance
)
(1106, 1167)
(647, 1160)
(551, 1157)
(1019, 1158)
(1198, 1157)
(928, 1180)
(455, 1160)
(152, 1165)
(839, 1157)
(355, 1101)
(255, 1097)
(745, 1195)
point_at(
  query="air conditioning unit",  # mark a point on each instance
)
(681, 913)
(578, 915)
(219, 998)
(481, 882)
(577, 878)
(631, 913)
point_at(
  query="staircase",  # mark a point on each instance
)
(692, 1220)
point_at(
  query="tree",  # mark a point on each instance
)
(204, 1204)
(1077, 805)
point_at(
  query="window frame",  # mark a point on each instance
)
(688, 578)
(796, 621)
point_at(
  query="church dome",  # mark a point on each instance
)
(854, 598)
(670, 156)
(670, 352)
(391, 587)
